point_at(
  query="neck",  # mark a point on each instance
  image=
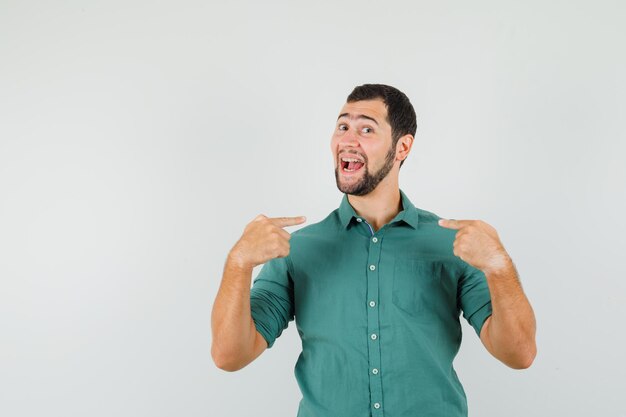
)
(380, 206)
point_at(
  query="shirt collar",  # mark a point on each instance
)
(408, 214)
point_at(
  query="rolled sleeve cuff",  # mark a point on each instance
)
(270, 312)
(477, 319)
(265, 332)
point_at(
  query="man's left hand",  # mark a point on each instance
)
(478, 244)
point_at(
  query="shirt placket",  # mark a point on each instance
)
(373, 322)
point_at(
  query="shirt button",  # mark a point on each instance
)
(372, 267)
(372, 303)
(358, 219)
(376, 405)
(374, 239)
(374, 336)
(375, 371)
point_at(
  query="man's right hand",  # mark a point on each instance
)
(263, 239)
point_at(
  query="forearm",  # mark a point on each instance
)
(512, 327)
(233, 330)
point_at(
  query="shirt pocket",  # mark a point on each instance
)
(417, 286)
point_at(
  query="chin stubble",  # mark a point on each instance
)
(368, 182)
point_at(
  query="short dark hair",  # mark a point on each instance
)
(400, 113)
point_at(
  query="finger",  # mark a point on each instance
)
(286, 235)
(452, 224)
(281, 249)
(287, 221)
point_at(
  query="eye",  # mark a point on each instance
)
(342, 126)
(367, 130)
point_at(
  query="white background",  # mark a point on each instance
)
(137, 139)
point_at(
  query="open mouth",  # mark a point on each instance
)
(351, 165)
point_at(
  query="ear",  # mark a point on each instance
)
(403, 147)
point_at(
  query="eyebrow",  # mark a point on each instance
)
(360, 116)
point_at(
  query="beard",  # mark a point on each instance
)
(367, 181)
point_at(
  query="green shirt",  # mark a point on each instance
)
(377, 312)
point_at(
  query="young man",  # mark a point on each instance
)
(376, 288)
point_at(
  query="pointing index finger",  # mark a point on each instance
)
(451, 223)
(288, 221)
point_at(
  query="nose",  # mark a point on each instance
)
(349, 139)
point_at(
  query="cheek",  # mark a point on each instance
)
(333, 145)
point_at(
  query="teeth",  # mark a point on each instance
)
(351, 160)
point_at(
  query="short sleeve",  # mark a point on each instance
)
(271, 299)
(474, 297)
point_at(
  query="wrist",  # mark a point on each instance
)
(503, 265)
(236, 261)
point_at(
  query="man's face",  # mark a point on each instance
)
(363, 133)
